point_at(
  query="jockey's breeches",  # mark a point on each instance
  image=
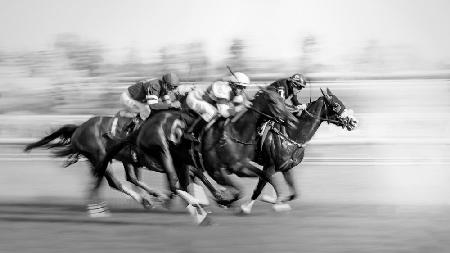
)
(134, 106)
(206, 110)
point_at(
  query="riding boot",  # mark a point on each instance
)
(129, 127)
(134, 124)
(192, 132)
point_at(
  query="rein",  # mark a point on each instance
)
(320, 118)
(252, 142)
(286, 138)
(266, 115)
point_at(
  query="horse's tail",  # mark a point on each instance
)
(64, 133)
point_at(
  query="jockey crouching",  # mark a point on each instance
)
(288, 88)
(143, 96)
(221, 99)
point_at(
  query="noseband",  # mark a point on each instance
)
(326, 119)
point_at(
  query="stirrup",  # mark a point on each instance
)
(134, 155)
(191, 137)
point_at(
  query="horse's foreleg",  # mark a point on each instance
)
(132, 177)
(137, 175)
(288, 176)
(222, 197)
(247, 207)
(169, 169)
(117, 185)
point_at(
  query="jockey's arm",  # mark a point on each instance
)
(224, 108)
(240, 102)
(297, 103)
(294, 99)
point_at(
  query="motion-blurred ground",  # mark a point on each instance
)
(382, 188)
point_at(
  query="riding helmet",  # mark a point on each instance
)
(171, 79)
(298, 80)
(238, 78)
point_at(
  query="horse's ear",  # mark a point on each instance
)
(326, 96)
(323, 93)
(329, 92)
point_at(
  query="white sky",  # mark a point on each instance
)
(273, 28)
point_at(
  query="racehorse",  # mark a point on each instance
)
(224, 145)
(280, 152)
(90, 140)
(230, 147)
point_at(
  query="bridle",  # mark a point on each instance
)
(326, 119)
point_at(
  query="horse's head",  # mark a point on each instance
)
(337, 113)
(271, 105)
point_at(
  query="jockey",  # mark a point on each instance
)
(143, 96)
(286, 88)
(221, 99)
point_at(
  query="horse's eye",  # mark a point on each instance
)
(337, 107)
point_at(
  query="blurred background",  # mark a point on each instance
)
(383, 187)
(63, 61)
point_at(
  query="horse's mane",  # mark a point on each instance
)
(313, 103)
(264, 95)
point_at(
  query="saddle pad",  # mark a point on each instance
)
(114, 126)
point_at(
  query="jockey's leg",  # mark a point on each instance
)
(206, 111)
(194, 129)
(141, 110)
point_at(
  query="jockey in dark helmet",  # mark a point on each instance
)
(287, 87)
(145, 95)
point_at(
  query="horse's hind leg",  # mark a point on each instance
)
(132, 177)
(288, 176)
(96, 207)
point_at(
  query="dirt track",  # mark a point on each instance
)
(308, 228)
(381, 204)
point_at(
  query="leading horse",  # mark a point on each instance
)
(281, 151)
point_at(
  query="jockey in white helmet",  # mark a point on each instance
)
(221, 98)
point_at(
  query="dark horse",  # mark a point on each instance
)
(281, 152)
(88, 140)
(226, 146)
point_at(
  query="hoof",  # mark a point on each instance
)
(98, 210)
(245, 209)
(207, 221)
(282, 207)
(268, 199)
(147, 204)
